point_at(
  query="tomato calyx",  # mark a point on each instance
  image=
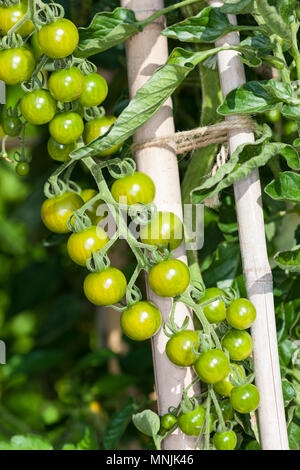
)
(98, 262)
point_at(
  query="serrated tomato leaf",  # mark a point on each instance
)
(237, 7)
(289, 259)
(285, 188)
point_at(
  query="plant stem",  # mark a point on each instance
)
(294, 48)
(217, 407)
(164, 11)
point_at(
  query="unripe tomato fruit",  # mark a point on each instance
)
(9, 16)
(225, 440)
(238, 344)
(66, 85)
(59, 152)
(58, 39)
(169, 278)
(38, 107)
(106, 287)
(245, 398)
(16, 65)
(66, 127)
(240, 314)
(167, 421)
(179, 348)
(97, 127)
(95, 90)
(273, 115)
(22, 168)
(192, 422)
(141, 321)
(215, 312)
(165, 229)
(290, 128)
(11, 125)
(98, 206)
(55, 212)
(212, 366)
(134, 189)
(81, 244)
(225, 386)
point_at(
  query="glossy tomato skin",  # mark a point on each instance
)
(38, 107)
(16, 65)
(179, 348)
(11, 125)
(212, 366)
(224, 387)
(81, 244)
(225, 440)
(245, 398)
(238, 344)
(96, 128)
(134, 189)
(55, 212)
(106, 287)
(66, 127)
(240, 314)
(273, 115)
(165, 229)
(215, 312)
(141, 321)
(169, 278)
(167, 421)
(95, 90)
(9, 16)
(66, 85)
(59, 152)
(58, 39)
(192, 422)
(22, 168)
(93, 211)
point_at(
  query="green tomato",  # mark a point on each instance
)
(167, 421)
(11, 125)
(192, 422)
(16, 65)
(66, 127)
(241, 313)
(10, 15)
(238, 344)
(215, 312)
(98, 127)
(58, 39)
(141, 321)
(225, 440)
(134, 189)
(35, 46)
(22, 168)
(106, 287)
(225, 386)
(60, 152)
(95, 90)
(55, 212)
(169, 278)
(273, 115)
(179, 348)
(245, 398)
(212, 366)
(66, 85)
(81, 244)
(165, 229)
(38, 107)
(290, 128)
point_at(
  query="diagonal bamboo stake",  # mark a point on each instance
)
(145, 52)
(256, 268)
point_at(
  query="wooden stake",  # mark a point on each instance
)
(145, 52)
(256, 268)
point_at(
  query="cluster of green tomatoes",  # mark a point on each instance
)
(60, 99)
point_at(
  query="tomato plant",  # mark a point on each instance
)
(140, 321)
(58, 39)
(134, 189)
(179, 348)
(105, 287)
(169, 278)
(66, 127)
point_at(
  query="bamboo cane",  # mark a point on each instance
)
(145, 52)
(256, 268)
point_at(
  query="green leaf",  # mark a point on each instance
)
(285, 188)
(29, 442)
(207, 26)
(89, 440)
(106, 30)
(291, 112)
(147, 422)
(118, 424)
(260, 42)
(282, 91)
(289, 259)
(224, 267)
(294, 436)
(248, 99)
(237, 7)
(93, 359)
(289, 393)
(286, 9)
(273, 20)
(148, 99)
